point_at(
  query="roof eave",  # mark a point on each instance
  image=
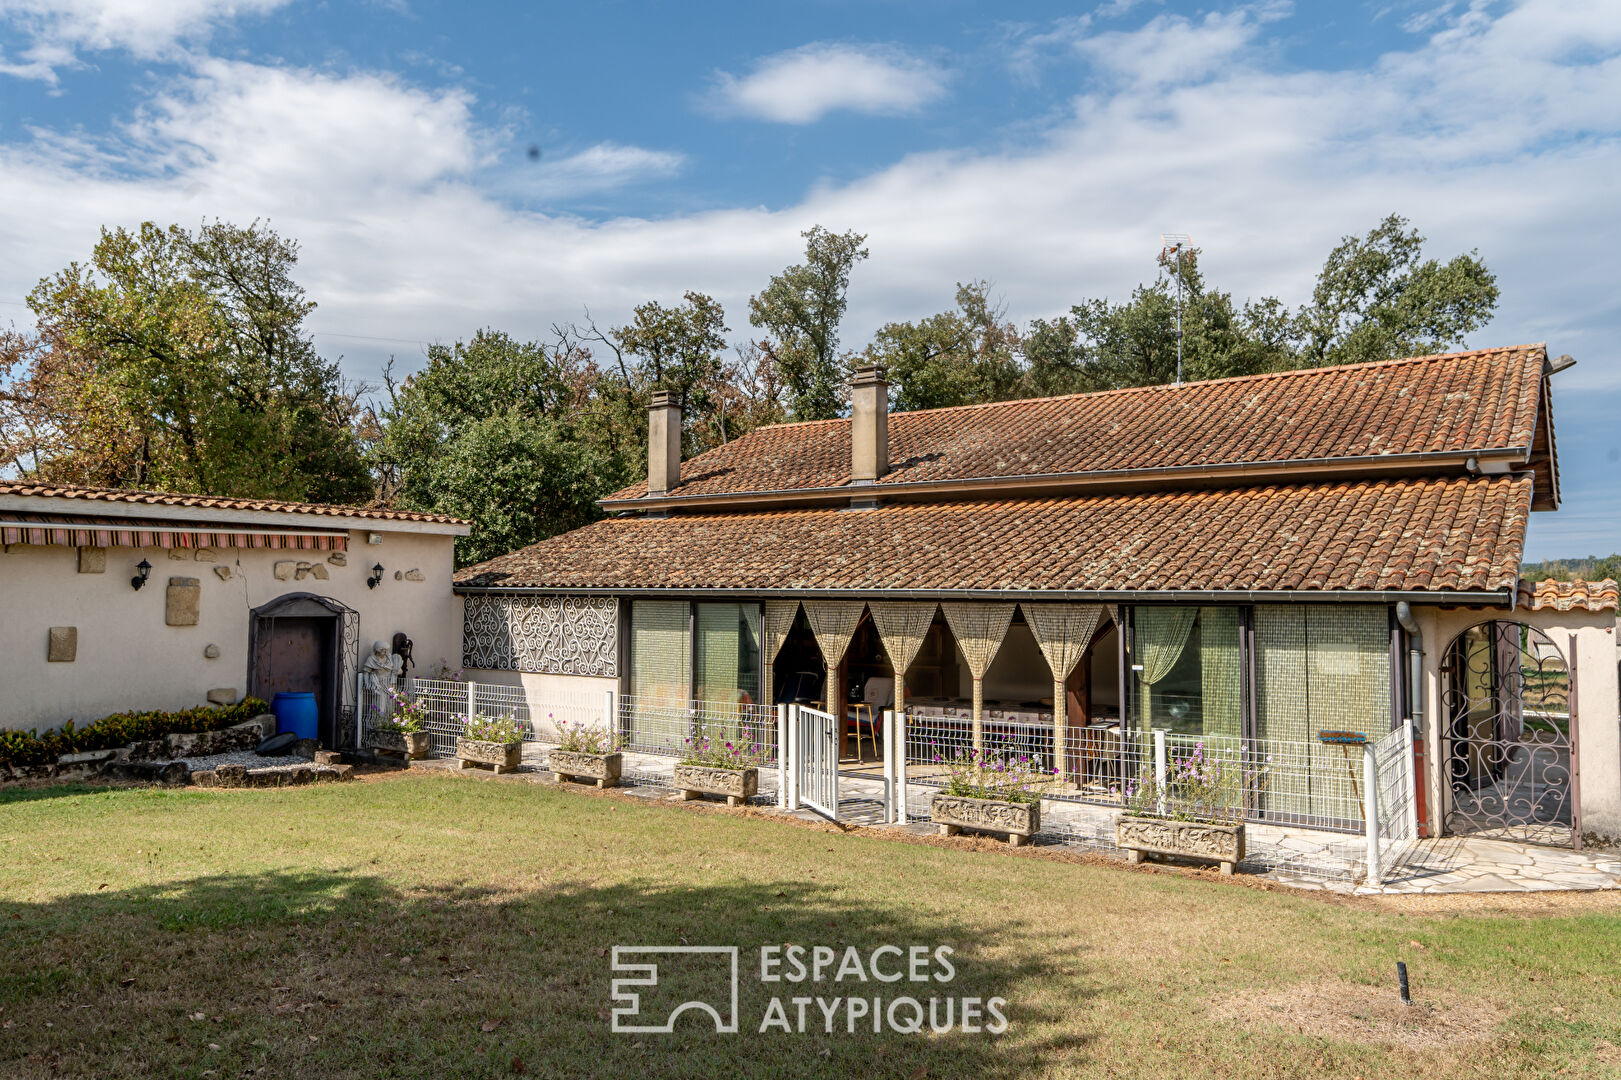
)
(222, 516)
(1449, 597)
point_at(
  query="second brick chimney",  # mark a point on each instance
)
(663, 443)
(869, 425)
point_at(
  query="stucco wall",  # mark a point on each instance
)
(127, 656)
(575, 698)
(1597, 695)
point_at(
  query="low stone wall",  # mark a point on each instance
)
(109, 763)
(240, 776)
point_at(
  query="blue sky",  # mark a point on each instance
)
(1041, 146)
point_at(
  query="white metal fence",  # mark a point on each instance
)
(449, 702)
(670, 727)
(1305, 784)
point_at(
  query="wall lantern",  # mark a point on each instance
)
(143, 570)
(376, 576)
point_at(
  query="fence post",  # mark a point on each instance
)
(889, 766)
(1159, 768)
(360, 710)
(793, 757)
(610, 724)
(1370, 797)
(900, 768)
(782, 757)
(1410, 826)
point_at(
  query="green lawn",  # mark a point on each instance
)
(434, 926)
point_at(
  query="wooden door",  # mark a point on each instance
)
(294, 655)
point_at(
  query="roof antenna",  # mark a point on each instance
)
(1174, 244)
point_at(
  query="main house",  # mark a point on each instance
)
(1273, 566)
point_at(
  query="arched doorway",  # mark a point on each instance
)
(1509, 752)
(301, 642)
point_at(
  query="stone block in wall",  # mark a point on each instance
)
(179, 554)
(225, 695)
(182, 601)
(211, 652)
(319, 572)
(92, 560)
(206, 555)
(284, 569)
(223, 573)
(64, 645)
(338, 558)
(414, 575)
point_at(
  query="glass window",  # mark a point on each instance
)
(728, 653)
(1186, 670)
(660, 651)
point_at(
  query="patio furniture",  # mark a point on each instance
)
(876, 695)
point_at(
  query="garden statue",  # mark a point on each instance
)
(378, 674)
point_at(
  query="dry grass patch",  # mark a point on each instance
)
(1356, 1012)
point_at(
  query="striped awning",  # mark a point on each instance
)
(61, 530)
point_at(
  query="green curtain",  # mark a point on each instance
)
(727, 664)
(660, 658)
(1219, 672)
(1159, 634)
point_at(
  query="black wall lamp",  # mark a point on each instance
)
(376, 576)
(143, 570)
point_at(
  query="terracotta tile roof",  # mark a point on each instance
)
(1486, 399)
(1462, 534)
(1570, 595)
(214, 502)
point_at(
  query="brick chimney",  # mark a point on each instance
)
(869, 425)
(663, 443)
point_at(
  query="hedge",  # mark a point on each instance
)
(120, 729)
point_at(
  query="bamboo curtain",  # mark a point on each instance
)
(979, 629)
(834, 624)
(1063, 631)
(779, 620)
(902, 625)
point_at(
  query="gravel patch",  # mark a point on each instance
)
(243, 757)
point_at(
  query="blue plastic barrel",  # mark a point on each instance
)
(296, 713)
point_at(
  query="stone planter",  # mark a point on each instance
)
(735, 784)
(412, 745)
(953, 813)
(1139, 837)
(502, 757)
(574, 765)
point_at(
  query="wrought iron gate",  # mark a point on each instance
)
(816, 760)
(1510, 747)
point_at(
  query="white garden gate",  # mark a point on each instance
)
(813, 761)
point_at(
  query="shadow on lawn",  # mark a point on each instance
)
(342, 974)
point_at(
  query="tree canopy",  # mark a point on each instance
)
(179, 361)
(800, 310)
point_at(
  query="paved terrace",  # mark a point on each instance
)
(1306, 859)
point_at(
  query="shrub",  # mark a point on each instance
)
(496, 729)
(408, 716)
(583, 738)
(981, 774)
(121, 729)
(1198, 787)
(722, 753)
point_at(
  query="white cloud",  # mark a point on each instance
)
(603, 167)
(57, 30)
(803, 85)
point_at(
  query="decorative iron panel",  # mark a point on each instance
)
(1509, 750)
(555, 635)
